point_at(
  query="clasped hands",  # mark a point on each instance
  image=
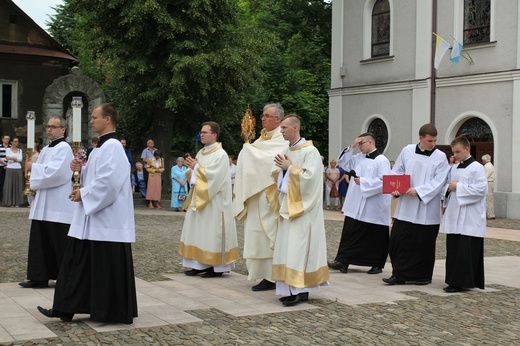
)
(282, 161)
(191, 162)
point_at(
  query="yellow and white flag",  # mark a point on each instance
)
(441, 47)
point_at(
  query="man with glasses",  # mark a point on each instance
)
(3, 163)
(418, 212)
(51, 211)
(255, 193)
(364, 240)
(208, 242)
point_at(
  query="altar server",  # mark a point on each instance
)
(51, 210)
(465, 220)
(418, 213)
(364, 240)
(97, 273)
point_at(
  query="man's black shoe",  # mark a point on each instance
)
(453, 289)
(210, 273)
(65, 317)
(264, 285)
(297, 299)
(422, 282)
(375, 270)
(34, 284)
(338, 266)
(392, 280)
(194, 272)
(304, 297)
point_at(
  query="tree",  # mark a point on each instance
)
(170, 64)
(298, 65)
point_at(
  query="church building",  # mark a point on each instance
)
(387, 79)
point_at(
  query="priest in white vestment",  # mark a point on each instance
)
(418, 213)
(51, 211)
(300, 253)
(465, 220)
(208, 241)
(255, 197)
(365, 235)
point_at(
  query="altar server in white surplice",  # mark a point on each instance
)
(465, 220)
(208, 242)
(364, 240)
(255, 197)
(51, 210)
(418, 213)
(97, 273)
(300, 252)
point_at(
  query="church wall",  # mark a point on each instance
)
(496, 56)
(393, 107)
(399, 68)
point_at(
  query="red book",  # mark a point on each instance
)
(393, 183)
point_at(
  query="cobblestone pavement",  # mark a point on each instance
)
(484, 317)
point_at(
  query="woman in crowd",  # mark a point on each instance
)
(344, 180)
(179, 184)
(139, 179)
(154, 166)
(332, 176)
(13, 184)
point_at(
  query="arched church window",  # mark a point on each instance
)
(476, 130)
(477, 21)
(380, 131)
(381, 28)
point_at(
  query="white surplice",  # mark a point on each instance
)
(428, 177)
(466, 206)
(51, 180)
(366, 202)
(106, 209)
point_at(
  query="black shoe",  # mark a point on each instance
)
(422, 282)
(338, 266)
(264, 285)
(34, 284)
(210, 273)
(294, 300)
(392, 280)
(194, 272)
(65, 317)
(453, 289)
(303, 298)
(375, 270)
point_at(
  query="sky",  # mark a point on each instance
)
(38, 10)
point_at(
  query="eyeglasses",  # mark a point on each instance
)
(52, 127)
(361, 143)
(205, 132)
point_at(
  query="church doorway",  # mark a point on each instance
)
(480, 137)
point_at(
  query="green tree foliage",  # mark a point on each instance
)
(298, 64)
(171, 64)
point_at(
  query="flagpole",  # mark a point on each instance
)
(433, 86)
